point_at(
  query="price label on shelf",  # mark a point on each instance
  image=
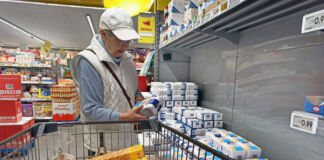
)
(20, 65)
(25, 65)
(305, 122)
(313, 22)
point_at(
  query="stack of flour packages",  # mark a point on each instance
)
(180, 111)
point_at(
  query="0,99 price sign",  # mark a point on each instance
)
(313, 22)
(304, 122)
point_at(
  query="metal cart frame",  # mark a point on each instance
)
(47, 140)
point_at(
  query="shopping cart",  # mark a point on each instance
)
(47, 141)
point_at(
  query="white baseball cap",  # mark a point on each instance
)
(119, 22)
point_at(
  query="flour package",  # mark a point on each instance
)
(151, 106)
(190, 114)
(194, 123)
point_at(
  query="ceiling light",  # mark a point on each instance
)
(133, 7)
(21, 30)
(90, 24)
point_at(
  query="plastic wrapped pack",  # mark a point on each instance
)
(190, 114)
(194, 123)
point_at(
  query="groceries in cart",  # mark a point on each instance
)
(64, 156)
(151, 106)
(130, 153)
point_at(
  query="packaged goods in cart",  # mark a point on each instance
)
(151, 106)
(64, 156)
(131, 153)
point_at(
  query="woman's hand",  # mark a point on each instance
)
(133, 114)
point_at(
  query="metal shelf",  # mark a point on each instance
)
(38, 82)
(227, 25)
(25, 65)
(36, 99)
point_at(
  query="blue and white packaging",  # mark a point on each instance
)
(161, 91)
(233, 150)
(191, 86)
(204, 115)
(169, 109)
(183, 120)
(191, 114)
(161, 85)
(162, 103)
(178, 116)
(208, 124)
(165, 97)
(164, 109)
(178, 92)
(180, 97)
(194, 123)
(217, 116)
(191, 92)
(178, 85)
(178, 109)
(169, 116)
(193, 103)
(252, 151)
(176, 6)
(195, 132)
(218, 124)
(161, 116)
(178, 103)
(151, 106)
(185, 103)
(191, 97)
(169, 103)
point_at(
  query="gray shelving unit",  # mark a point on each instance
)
(254, 65)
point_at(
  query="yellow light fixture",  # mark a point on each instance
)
(133, 7)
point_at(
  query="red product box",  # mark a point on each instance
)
(66, 111)
(11, 111)
(10, 129)
(10, 86)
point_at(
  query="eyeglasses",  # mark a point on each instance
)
(121, 42)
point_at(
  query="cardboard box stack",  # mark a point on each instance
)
(66, 105)
(11, 120)
(191, 12)
(179, 109)
(212, 8)
(232, 144)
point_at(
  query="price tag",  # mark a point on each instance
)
(25, 65)
(313, 22)
(19, 65)
(304, 122)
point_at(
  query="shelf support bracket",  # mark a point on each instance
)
(232, 37)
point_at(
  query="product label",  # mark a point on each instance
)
(304, 122)
(313, 22)
(316, 109)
